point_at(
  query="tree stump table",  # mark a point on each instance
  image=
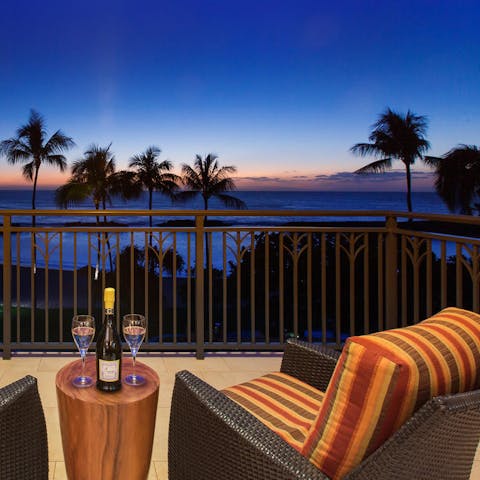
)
(107, 436)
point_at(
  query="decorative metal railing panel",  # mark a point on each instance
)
(247, 286)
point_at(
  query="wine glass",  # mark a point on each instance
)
(134, 327)
(83, 330)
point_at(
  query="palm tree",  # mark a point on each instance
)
(31, 147)
(94, 176)
(458, 178)
(154, 176)
(208, 179)
(395, 137)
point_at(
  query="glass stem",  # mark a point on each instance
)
(82, 354)
(134, 356)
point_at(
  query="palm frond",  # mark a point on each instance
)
(379, 166)
(28, 169)
(58, 161)
(431, 161)
(15, 150)
(231, 202)
(72, 193)
(58, 143)
(365, 149)
(185, 196)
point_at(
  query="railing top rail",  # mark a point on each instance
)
(246, 213)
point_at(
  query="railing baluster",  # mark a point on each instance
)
(174, 287)
(224, 288)
(338, 291)
(443, 274)
(7, 286)
(267, 288)
(199, 288)
(309, 289)
(391, 281)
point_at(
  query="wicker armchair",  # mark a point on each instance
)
(212, 437)
(23, 432)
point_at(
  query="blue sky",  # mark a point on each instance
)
(281, 90)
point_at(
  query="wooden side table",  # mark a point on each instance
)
(107, 436)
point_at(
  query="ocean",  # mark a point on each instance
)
(423, 202)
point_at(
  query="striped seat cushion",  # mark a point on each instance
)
(286, 405)
(383, 378)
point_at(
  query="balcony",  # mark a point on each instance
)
(220, 370)
(227, 291)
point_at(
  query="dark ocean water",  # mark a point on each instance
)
(423, 202)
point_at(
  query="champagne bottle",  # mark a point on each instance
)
(109, 349)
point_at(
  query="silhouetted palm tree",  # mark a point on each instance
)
(31, 147)
(154, 176)
(395, 137)
(94, 176)
(208, 179)
(458, 178)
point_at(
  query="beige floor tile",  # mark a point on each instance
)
(475, 475)
(157, 363)
(28, 362)
(13, 374)
(54, 364)
(177, 363)
(160, 440)
(254, 363)
(51, 470)
(47, 389)
(162, 470)
(55, 449)
(60, 472)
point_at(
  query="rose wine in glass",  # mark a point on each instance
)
(83, 330)
(134, 328)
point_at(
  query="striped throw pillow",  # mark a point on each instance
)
(383, 378)
(283, 403)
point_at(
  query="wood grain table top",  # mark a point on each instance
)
(126, 394)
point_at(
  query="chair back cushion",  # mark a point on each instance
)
(381, 379)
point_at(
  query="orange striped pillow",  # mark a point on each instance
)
(383, 378)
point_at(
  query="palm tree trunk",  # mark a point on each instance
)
(107, 239)
(150, 206)
(34, 219)
(409, 187)
(207, 250)
(97, 207)
(207, 286)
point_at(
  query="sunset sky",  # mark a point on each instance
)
(281, 90)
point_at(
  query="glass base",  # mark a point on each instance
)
(82, 382)
(134, 380)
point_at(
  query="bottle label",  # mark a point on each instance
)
(108, 370)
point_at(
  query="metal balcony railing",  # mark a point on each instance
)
(246, 282)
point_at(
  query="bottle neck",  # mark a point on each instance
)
(108, 314)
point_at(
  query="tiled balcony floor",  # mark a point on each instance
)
(220, 370)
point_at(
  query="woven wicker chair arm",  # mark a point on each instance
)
(23, 432)
(212, 437)
(313, 364)
(444, 432)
